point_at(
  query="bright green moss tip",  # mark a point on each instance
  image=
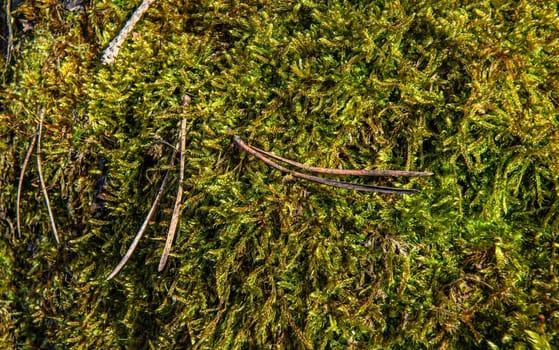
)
(262, 260)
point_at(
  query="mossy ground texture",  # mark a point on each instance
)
(468, 91)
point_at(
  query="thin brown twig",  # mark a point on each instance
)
(20, 182)
(178, 200)
(351, 172)
(140, 233)
(43, 187)
(320, 180)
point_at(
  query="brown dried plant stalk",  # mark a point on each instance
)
(39, 170)
(352, 172)
(20, 182)
(178, 200)
(176, 210)
(263, 156)
(144, 226)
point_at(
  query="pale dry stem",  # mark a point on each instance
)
(110, 53)
(43, 187)
(20, 182)
(142, 230)
(178, 200)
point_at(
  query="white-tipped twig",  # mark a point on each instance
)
(20, 182)
(110, 53)
(43, 187)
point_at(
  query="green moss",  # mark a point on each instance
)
(260, 259)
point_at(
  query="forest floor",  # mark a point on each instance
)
(263, 259)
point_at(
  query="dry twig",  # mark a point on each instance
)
(43, 187)
(20, 182)
(178, 200)
(176, 210)
(110, 53)
(144, 226)
(352, 172)
(262, 155)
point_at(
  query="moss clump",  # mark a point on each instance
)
(467, 92)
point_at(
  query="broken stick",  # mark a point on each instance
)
(110, 53)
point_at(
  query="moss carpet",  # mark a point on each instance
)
(466, 90)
